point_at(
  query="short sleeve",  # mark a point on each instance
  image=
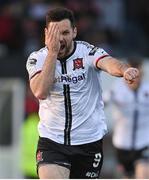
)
(96, 54)
(34, 64)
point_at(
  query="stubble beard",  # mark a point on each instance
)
(65, 52)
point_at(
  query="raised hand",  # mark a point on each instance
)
(52, 38)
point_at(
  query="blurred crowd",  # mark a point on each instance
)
(119, 26)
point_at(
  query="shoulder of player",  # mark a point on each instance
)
(38, 54)
(40, 51)
(84, 44)
(89, 48)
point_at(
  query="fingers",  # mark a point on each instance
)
(56, 33)
(50, 34)
(52, 37)
(131, 74)
(53, 30)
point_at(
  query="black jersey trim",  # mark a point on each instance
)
(68, 113)
(68, 109)
(96, 62)
(35, 74)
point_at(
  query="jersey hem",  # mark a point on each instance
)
(76, 143)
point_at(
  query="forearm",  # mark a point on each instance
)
(113, 66)
(117, 68)
(43, 82)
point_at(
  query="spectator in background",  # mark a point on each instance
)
(86, 16)
(10, 26)
(7, 29)
(131, 124)
(29, 137)
(31, 103)
(31, 36)
(112, 20)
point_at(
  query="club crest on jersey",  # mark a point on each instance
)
(78, 63)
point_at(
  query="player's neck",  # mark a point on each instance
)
(70, 53)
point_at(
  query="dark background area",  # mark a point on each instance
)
(121, 27)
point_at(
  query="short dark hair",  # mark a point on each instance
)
(59, 14)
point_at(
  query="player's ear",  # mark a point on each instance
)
(74, 32)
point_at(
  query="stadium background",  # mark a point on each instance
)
(121, 27)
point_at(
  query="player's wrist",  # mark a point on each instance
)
(124, 69)
(52, 55)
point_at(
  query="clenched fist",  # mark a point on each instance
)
(131, 74)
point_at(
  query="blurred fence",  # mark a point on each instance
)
(11, 118)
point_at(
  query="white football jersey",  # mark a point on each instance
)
(72, 114)
(131, 116)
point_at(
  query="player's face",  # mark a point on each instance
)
(67, 34)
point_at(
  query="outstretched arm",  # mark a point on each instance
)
(117, 68)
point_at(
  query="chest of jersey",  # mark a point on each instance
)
(73, 73)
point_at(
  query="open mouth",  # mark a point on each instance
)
(62, 47)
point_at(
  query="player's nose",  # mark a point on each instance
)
(61, 37)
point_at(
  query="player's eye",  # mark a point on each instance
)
(65, 32)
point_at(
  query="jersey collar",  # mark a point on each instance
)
(65, 58)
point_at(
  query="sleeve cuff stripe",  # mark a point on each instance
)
(35, 74)
(100, 59)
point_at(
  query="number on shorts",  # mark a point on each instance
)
(97, 160)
